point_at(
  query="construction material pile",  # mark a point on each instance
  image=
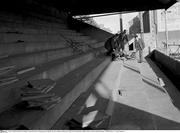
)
(7, 76)
(37, 94)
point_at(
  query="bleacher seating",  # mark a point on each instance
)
(33, 47)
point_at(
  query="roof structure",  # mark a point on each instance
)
(84, 7)
(87, 7)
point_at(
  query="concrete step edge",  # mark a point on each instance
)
(48, 25)
(55, 113)
(45, 56)
(7, 50)
(71, 96)
(131, 67)
(169, 88)
(54, 70)
(30, 30)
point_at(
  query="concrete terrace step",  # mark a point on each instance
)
(14, 37)
(169, 88)
(33, 27)
(10, 49)
(96, 98)
(142, 106)
(81, 38)
(33, 24)
(11, 27)
(79, 81)
(29, 59)
(32, 30)
(53, 70)
(129, 81)
(29, 47)
(28, 18)
(92, 45)
(36, 58)
(148, 75)
(35, 16)
(45, 17)
(132, 65)
(102, 90)
(150, 78)
(58, 68)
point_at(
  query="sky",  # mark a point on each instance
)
(112, 21)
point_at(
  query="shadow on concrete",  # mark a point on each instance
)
(153, 85)
(171, 83)
(124, 118)
(167, 65)
(105, 87)
(130, 118)
(101, 119)
(72, 77)
(78, 109)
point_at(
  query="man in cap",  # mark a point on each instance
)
(139, 45)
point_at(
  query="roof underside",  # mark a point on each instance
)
(84, 7)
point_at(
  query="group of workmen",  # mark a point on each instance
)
(115, 46)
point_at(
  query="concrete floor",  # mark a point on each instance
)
(140, 106)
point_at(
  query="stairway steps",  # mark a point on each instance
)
(149, 77)
(80, 38)
(131, 67)
(47, 18)
(79, 81)
(30, 29)
(15, 37)
(33, 24)
(78, 109)
(53, 70)
(29, 47)
(12, 37)
(148, 74)
(30, 17)
(39, 57)
(71, 112)
(37, 47)
(58, 68)
(27, 18)
(92, 46)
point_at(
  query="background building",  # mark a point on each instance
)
(154, 27)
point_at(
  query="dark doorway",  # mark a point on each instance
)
(131, 47)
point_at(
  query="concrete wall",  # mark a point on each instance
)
(169, 66)
(168, 70)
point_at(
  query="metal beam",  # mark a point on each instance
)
(106, 14)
